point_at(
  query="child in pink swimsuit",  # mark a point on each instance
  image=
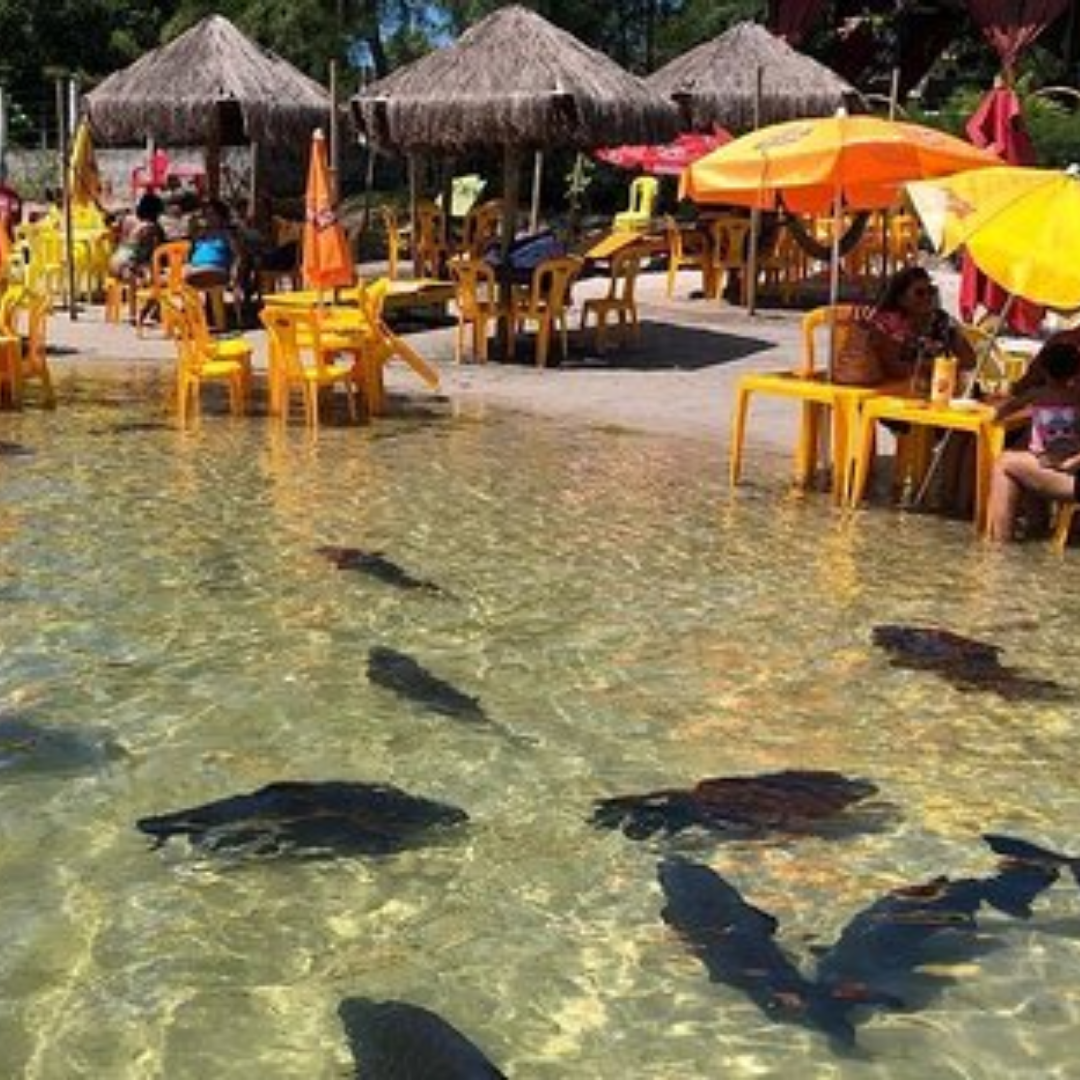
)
(1050, 466)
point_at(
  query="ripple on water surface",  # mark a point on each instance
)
(627, 623)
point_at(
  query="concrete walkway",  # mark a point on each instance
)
(679, 380)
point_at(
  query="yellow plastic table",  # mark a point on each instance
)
(971, 416)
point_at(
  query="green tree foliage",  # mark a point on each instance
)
(91, 38)
(84, 38)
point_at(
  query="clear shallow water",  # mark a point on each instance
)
(606, 598)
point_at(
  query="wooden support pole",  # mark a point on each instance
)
(750, 291)
(63, 93)
(511, 197)
(538, 176)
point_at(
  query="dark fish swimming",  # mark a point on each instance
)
(794, 800)
(736, 943)
(964, 663)
(395, 671)
(26, 746)
(885, 953)
(889, 944)
(310, 820)
(1024, 871)
(394, 1040)
(376, 565)
(13, 449)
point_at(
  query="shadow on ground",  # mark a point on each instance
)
(662, 347)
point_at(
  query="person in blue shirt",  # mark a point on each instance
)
(214, 250)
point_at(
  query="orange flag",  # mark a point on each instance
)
(327, 260)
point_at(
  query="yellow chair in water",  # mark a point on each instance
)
(810, 385)
(643, 194)
(24, 319)
(300, 358)
(1063, 520)
(203, 358)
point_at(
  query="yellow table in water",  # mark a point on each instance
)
(970, 416)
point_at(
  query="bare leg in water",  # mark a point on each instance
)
(1016, 473)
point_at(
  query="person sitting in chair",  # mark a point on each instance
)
(214, 251)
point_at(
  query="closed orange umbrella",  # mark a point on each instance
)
(327, 261)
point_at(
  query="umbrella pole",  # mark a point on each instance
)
(538, 175)
(511, 195)
(834, 275)
(65, 195)
(980, 359)
(414, 232)
(750, 285)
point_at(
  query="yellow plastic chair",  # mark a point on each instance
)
(10, 348)
(43, 245)
(481, 228)
(465, 192)
(163, 286)
(545, 303)
(1063, 521)
(430, 251)
(643, 194)
(809, 385)
(397, 239)
(727, 253)
(477, 305)
(783, 266)
(687, 249)
(619, 303)
(34, 360)
(203, 358)
(300, 358)
(10, 383)
(24, 323)
(385, 344)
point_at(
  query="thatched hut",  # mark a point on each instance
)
(718, 82)
(511, 80)
(213, 87)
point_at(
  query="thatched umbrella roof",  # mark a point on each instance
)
(512, 80)
(210, 84)
(716, 83)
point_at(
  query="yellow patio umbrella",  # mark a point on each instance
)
(1021, 227)
(84, 180)
(326, 261)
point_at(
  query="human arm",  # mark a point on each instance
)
(1016, 402)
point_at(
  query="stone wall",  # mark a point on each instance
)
(281, 172)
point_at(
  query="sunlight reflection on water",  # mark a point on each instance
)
(607, 597)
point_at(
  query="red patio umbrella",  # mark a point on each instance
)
(665, 159)
(998, 125)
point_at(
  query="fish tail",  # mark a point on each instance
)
(1017, 850)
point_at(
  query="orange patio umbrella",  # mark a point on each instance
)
(826, 166)
(326, 259)
(808, 166)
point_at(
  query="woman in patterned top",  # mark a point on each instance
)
(908, 329)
